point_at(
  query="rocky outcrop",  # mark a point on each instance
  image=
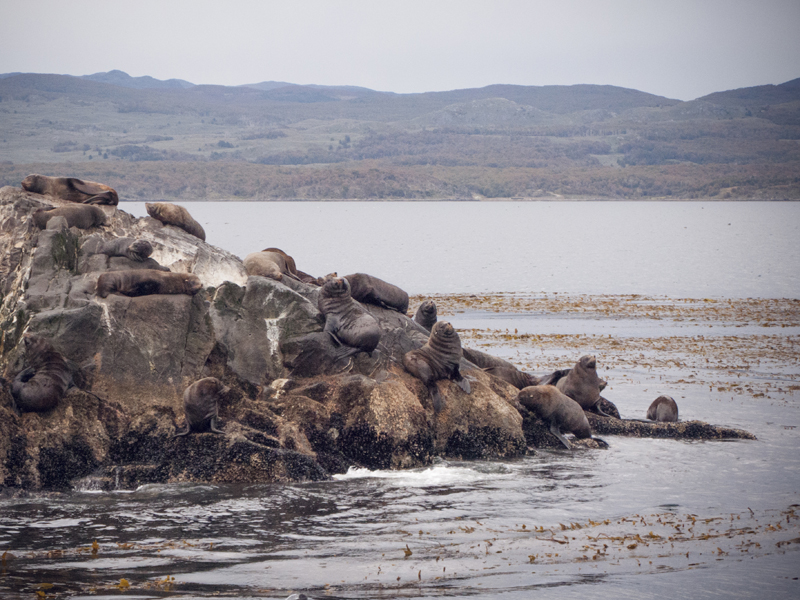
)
(295, 410)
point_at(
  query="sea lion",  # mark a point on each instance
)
(371, 290)
(426, 314)
(71, 189)
(583, 385)
(200, 403)
(663, 409)
(136, 250)
(39, 387)
(145, 282)
(82, 216)
(172, 214)
(439, 358)
(519, 379)
(267, 264)
(291, 267)
(346, 321)
(558, 410)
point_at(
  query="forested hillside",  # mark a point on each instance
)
(273, 140)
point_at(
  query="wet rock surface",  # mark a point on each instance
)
(295, 411)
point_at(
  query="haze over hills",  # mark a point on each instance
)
(174, 139)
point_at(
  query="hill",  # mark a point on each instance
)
(164, 139)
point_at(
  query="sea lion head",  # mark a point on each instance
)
(443, 329)
(140, 249)
(428, 307)
(588, 362)
(31, 183)
(336, 287)
(193, 284)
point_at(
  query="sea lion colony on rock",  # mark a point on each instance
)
(71, 189)
(349, 325)
(438, 359)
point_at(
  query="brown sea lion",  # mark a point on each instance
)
(291, 267)
(426, 314)
(39, 387)
(145, 282)
(371, 290)
(583, 385)
(556, 409)
(137, 250)
(178, 216)
(201, 403)
(519, 379)
(267, 264)
(439, 358)
(346, 321)
(71, 189)
(82, 216)
(663, 409)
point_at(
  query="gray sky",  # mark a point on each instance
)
(675, 48)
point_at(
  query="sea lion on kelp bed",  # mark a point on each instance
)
(346, 321)
(172, 214)
(439, 358)
(145, 282)
(663, 409)
(426, 314)
(200, 404)
(39, 387)
(557, 410)
(371, 290)
(82, 216)
(71, 189)
(583, 385)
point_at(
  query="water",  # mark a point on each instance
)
(678, 249)
(712, 518)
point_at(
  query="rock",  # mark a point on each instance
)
(294, 412)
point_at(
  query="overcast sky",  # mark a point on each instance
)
(675, 48)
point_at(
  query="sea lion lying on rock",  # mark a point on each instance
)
(200, 404)
(583, 385)
(426, 314)
(557, 410)
(267, 264)
(39, 387)
(439, 358)
(145, 282)
(71, 189)
(178, 216)
(291, 267)
(137, 250)
(663, 409)
(371, 290)
(346, 321)
(82, 216)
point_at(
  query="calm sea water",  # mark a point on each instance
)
(679, 249)
(346, 538)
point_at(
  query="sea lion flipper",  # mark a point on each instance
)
(182, 433)
(102, 198)
(85, 187)
(556, 431)
(463, 383)
(436, 397)
(212, 426)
